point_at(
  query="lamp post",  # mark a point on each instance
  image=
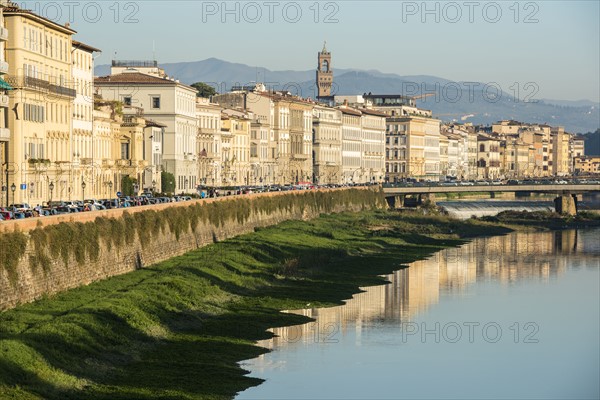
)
(110, 188)
(51, 187)
(5, 186)
(13, 187)
(153, 187)
(83, 185)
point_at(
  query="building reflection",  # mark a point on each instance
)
(507, 259)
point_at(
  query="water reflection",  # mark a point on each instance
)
(512, 259)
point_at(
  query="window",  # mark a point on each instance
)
(155, 102)
(125, 151)
(127, 100)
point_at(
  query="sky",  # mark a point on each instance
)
(551, 48)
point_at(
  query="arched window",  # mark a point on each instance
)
(481, 163)
(325, 66)
(482, 147)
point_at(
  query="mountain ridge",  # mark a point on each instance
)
(451, 100)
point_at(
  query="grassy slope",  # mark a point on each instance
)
(176, 330)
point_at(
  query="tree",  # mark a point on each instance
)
(127, 186)
(167, 182)
(204, 90)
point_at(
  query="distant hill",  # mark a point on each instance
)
(452, 100)
(592, 143)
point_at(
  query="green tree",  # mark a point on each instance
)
(204, 90)
(167, 182)
(127, 186)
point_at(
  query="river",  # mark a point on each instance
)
(514, 316)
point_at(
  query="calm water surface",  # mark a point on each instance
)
(505, 317)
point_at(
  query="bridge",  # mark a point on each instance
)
(565, 202)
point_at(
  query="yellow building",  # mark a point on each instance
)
(235, 136)
(107, 129)
(39, 57)
(586, 165)
(209, 141)
(4, 110)
(118, 148)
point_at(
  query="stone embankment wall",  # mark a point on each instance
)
(44, 256)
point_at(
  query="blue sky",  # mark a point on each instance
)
(554, 44)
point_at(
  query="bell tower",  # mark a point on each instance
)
(324, 75)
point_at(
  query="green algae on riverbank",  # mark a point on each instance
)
(177, 330)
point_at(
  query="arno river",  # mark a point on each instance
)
(504, 317)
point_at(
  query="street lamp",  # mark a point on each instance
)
(51, 187)
(110, 188)
(83, 185)
(13, 188)
(153, 187)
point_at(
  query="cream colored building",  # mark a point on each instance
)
(327, 145)
(261, 163)
(296, 150)
(373, 128)
(422, 132)
(209, 142)
(235, 136)
(561, 161)
(168, 102)
(396, 151)
(38, 52)
(153, 140)
(264, 133)
(85, 168)
(352, 170)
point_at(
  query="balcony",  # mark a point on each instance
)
(3, 34)
(4, 134)
(4, 100)
(3, 67)
(107, 162)
(39, 84)
(124, 163)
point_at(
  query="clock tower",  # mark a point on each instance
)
(324, 75)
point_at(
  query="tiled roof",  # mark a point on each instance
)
(373, 112)
(350, 111)
(83, 46)
(136, 78)
(150, 122)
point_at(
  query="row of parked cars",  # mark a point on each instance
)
(21, 211)
(24, 210)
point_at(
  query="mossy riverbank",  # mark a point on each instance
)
(177, 329)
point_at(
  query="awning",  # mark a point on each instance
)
(4, 85)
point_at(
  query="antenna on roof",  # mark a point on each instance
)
(153, 51)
